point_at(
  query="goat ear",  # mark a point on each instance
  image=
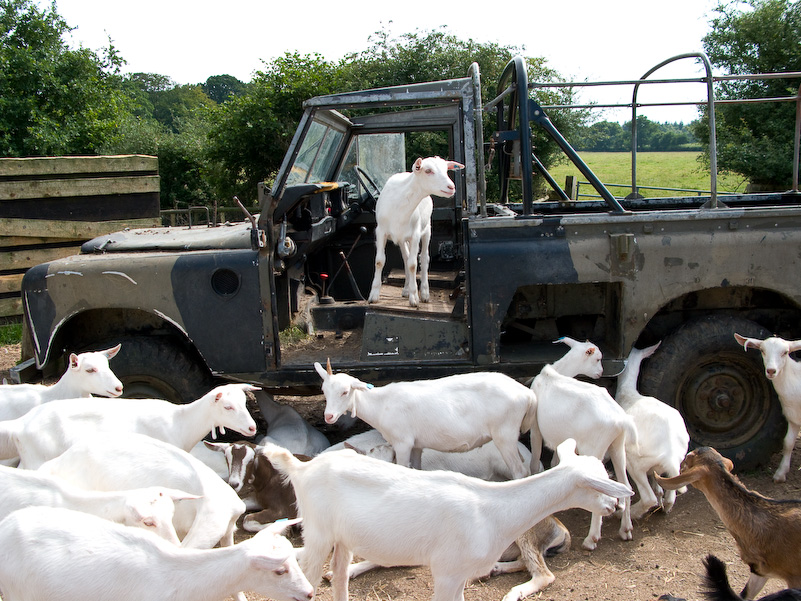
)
(112, 352)
(567, 340)
(216, 446)
(747, 342)
(609, 487)
(352, 448)
(795, 345)
(280, 526)
(683, 479)
(727, 463)
(74, 361)
(454, 165)
(418, 164)
(319, 368)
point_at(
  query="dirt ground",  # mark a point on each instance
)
(664, 557)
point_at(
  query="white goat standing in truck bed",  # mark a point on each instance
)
(87, 374)
(48, 430)
(403, 215)
(63, 555)
(785, 375)
(662, 437)
(456, 525)
(569, 408)
(446, 414)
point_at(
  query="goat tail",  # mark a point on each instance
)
(8, 439)
(284, 461)
(530, 417)
(631, 433)
(717, 582)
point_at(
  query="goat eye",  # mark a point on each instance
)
(228, 408)
(90, 370)
(281, 571)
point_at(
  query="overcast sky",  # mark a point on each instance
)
(582, 39)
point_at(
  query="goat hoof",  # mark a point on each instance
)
(778, 478)
(589, 543)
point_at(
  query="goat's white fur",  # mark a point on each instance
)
(286, 428)
(140, 461)
(785, 375)
(662, 437)
(149, 508)
(456, 525)
(87, 374)
(48, 430)
(447, 414)
(486, 463)
(63, 555)
(403, 215)
(569, 408)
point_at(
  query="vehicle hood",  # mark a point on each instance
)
(172, 238)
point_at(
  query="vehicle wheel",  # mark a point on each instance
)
(156, 368)
(720, 389)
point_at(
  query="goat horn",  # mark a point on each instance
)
(682, 479)
(328, 367)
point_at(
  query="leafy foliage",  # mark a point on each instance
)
(53, 100)
(609, 136)
(755, 36)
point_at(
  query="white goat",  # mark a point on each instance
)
(486, 463)
(767, 531)
(456, 525)
(785, 375)
(87, 374)
(63, 555)
(403, 215)
(569, 408)
(286, 428)
(48, 430)
(121, 461)
(448, 414)
(662, 437)
(149, 508)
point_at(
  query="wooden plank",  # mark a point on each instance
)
(25, 259)
(11, 283)
(6, 241)
(84, 208)
(54, 166)
(10, 307)
(75, 230)
(67, 188)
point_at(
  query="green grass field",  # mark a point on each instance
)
(658, 169)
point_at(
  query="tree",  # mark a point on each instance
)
(220, 88)
(755, 36)
(250, 133)
(53, 99)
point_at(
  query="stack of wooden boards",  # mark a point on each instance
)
(49, 206)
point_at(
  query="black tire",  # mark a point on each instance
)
(720, 389)
(154, 367)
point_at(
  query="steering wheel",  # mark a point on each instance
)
(364, 180)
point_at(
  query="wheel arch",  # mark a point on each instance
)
(95, 328)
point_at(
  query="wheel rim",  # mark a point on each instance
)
(723, 401)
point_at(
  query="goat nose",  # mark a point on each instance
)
(770, 372)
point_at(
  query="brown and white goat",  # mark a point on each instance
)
(767, 531)
(262, 488)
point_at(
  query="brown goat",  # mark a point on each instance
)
(767, 531)
(258, 484)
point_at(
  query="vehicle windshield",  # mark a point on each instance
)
(317, 154)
